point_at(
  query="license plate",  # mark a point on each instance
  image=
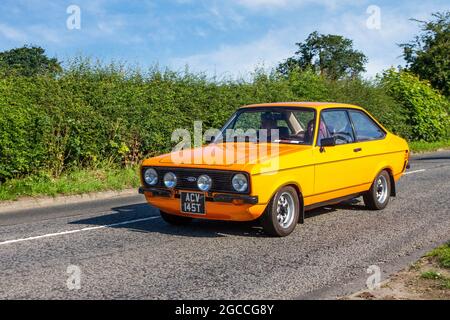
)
(192, 202)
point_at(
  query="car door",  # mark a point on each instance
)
(369, 142)
(337, 172)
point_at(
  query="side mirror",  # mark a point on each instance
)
(209, 139)
(328, 142)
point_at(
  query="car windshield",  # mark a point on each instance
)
(276, 125)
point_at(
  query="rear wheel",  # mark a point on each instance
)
(377, 198)
(281, 215)
(175, 220)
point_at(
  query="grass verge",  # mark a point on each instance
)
(421, 146)
(428, 278)
(442, 254)
(75, 182)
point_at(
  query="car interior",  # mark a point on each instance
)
(289, 127)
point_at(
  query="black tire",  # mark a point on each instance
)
(270, 218)
(377, 198)
(175, 220)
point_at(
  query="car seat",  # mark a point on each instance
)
(283, 132)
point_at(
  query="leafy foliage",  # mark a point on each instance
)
(28, 61)
(426, 110)
(428, 55)
(329, 55)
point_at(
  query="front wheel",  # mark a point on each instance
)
(377, 198)
(281, 215)
(175, 220)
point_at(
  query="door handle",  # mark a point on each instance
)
(357, 150)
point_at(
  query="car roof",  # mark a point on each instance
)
(315, 105)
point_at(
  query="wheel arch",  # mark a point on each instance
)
(298, 189)
(390, 172)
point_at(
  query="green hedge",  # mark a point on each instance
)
(94, 115)
(425, 109)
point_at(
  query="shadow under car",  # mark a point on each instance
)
(198, 227)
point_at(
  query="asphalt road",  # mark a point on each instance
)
(123, 250)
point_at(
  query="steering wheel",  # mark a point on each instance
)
(343, 136)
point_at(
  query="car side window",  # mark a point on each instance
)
(365, 128)
(336, 124)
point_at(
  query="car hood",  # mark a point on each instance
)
(233, 156)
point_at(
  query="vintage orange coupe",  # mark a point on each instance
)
(274, 161)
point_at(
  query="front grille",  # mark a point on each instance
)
(221, 179)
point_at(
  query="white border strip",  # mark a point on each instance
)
(415, 171)
(49, 235)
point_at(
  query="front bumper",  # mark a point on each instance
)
(218, 206)
(220, 197)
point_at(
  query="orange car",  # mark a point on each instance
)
(273, 162)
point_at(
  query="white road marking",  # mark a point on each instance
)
(49, 235)
(415, 171)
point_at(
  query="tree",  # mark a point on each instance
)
(329, 55)
(28, 61)
(428, 55)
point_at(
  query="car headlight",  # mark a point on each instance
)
(240, 182)
(151, 177)
(204, 182)
(170, 180)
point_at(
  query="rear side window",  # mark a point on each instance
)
(365, 128)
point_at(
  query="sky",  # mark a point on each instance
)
(228, 38)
